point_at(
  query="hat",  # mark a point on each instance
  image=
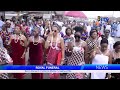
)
(19, 26)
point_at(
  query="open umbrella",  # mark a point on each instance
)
(77, 14)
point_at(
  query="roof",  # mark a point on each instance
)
(40, 12)
(59, 12)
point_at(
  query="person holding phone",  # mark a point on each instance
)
(92, 42)
(25, 29)
(76, 55)
(47, 29)
(68, 38)
(55, 46)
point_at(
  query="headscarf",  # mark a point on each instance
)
(18, 26)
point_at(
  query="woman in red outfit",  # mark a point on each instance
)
(55, 44)
(36, 45)
(18, 44)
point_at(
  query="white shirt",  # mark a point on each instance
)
(41, 30)
(30, 28)
(118, 27)
(12, 25)
(108, 27)
(99, 59)
(63, 30)
(10, 30)
(111, 42)
(88, 30)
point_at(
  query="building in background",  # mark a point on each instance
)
(2, 15)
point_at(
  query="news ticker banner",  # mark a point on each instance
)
(88, 68)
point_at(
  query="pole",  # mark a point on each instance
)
(113, 14)
(4, 14)
(18, 14)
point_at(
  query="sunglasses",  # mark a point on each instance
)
(54, 30)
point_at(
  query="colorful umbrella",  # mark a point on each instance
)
(77, 14)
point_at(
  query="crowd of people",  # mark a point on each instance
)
(57, 42)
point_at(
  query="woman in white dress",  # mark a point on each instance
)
(101, 55)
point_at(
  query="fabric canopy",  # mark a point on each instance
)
(77, 14)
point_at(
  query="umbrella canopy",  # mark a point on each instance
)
(77, 14)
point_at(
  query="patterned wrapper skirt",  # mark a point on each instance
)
(4, 76)
(76, 59)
